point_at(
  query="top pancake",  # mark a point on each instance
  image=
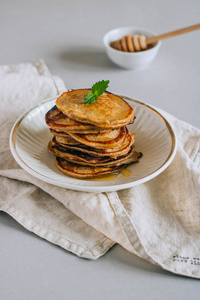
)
(56, 120)
(108, 111)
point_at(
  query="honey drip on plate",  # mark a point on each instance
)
(125, 173)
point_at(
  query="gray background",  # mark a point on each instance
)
(68, 36)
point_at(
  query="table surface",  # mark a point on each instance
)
(68, 36)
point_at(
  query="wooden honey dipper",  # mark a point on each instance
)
(136, 42)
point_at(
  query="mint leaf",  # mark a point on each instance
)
(90, 97)
(99, 87)
(97, 90)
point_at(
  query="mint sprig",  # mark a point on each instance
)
(97, 90)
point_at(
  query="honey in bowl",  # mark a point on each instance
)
(132, 43)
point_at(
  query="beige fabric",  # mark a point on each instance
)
(21, 87)
(158, 220)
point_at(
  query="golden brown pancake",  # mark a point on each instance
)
(122, 149)
(134, 157)
(58, 133)
(87, 159)
(106, 140)
(66, 140)
(84, 172)
(59, 122)
(108, 111)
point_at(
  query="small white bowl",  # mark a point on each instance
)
(129, 60)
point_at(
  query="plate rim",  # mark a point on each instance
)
(76, 187)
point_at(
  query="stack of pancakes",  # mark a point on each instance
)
(91, 140)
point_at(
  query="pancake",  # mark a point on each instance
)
(108, 111)
(87, 159)
(58, 133)
(84, 172)
(107, 140)
(134, 157)
(56, 120)
(66, 140)
(122, 149)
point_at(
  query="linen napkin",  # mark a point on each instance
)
(158, 220)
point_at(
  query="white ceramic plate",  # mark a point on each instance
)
(154, 138)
